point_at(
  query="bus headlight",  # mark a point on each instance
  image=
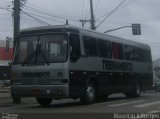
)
(59, 81)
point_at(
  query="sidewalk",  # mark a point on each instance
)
(5, 95)
(4, 89)
(5, 100)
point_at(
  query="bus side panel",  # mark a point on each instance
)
(89, 69)
(147, 81)
(76, 84)
(143, 73)
(103, 81)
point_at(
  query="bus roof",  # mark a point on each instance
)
(88, 32)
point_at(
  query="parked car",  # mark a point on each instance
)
(6, 82)
(1, 82)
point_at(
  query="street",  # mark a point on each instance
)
(148, 103)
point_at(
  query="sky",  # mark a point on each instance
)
(55, 12)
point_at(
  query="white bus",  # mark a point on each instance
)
(67, 62)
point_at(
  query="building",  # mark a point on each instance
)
(156, 70)
(5, 59)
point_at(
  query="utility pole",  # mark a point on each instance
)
(92, 20)
(67, 22)
(84, 21)
(16, 16)
(92, 16)
(16, 20)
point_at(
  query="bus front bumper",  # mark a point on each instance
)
(43, 91)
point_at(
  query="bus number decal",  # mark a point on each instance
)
(35, 74)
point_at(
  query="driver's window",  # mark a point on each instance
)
(75, 46)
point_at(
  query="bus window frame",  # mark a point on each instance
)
(83, 40)
(38, 35)
(74, 58)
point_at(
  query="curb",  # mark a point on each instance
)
(5, 89)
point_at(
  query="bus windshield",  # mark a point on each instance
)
(42, 49)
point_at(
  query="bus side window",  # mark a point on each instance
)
(117, 51)
(138, 55)
(147, 56)
(128, 52)
(90, 46)
(75, 51)
(104, 49)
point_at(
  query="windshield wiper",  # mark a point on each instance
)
(43, 55)
(36, 53)
(29, 58)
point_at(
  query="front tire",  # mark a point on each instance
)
(44, 101)
(90, 94)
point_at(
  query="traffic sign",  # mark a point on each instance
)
(136, 29)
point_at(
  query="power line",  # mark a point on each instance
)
(97, 5)
(37, 19)
(6, 30)
(3, 14)
(128, 4)
(33, 6)
(45, 13)
(6, 2)
(127, 23)
(110, 13)
(26, 18)
(119, 8)
(6, 9)
(55, 16)
(44, 17)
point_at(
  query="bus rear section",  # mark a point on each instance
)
(109, 65)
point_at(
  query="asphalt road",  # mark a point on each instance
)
(148, 103)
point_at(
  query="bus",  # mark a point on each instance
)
(63, 61)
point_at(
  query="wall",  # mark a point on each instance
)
(6, 55)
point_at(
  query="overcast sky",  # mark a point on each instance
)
(54, 12)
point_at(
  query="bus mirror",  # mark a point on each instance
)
(7, 44)
(8, 40)
(70, 49)
(74, 57)
(9, 63)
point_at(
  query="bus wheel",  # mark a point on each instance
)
(44, 101)
(90, 94)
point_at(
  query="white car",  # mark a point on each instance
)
(6, 83)
(1, 82)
